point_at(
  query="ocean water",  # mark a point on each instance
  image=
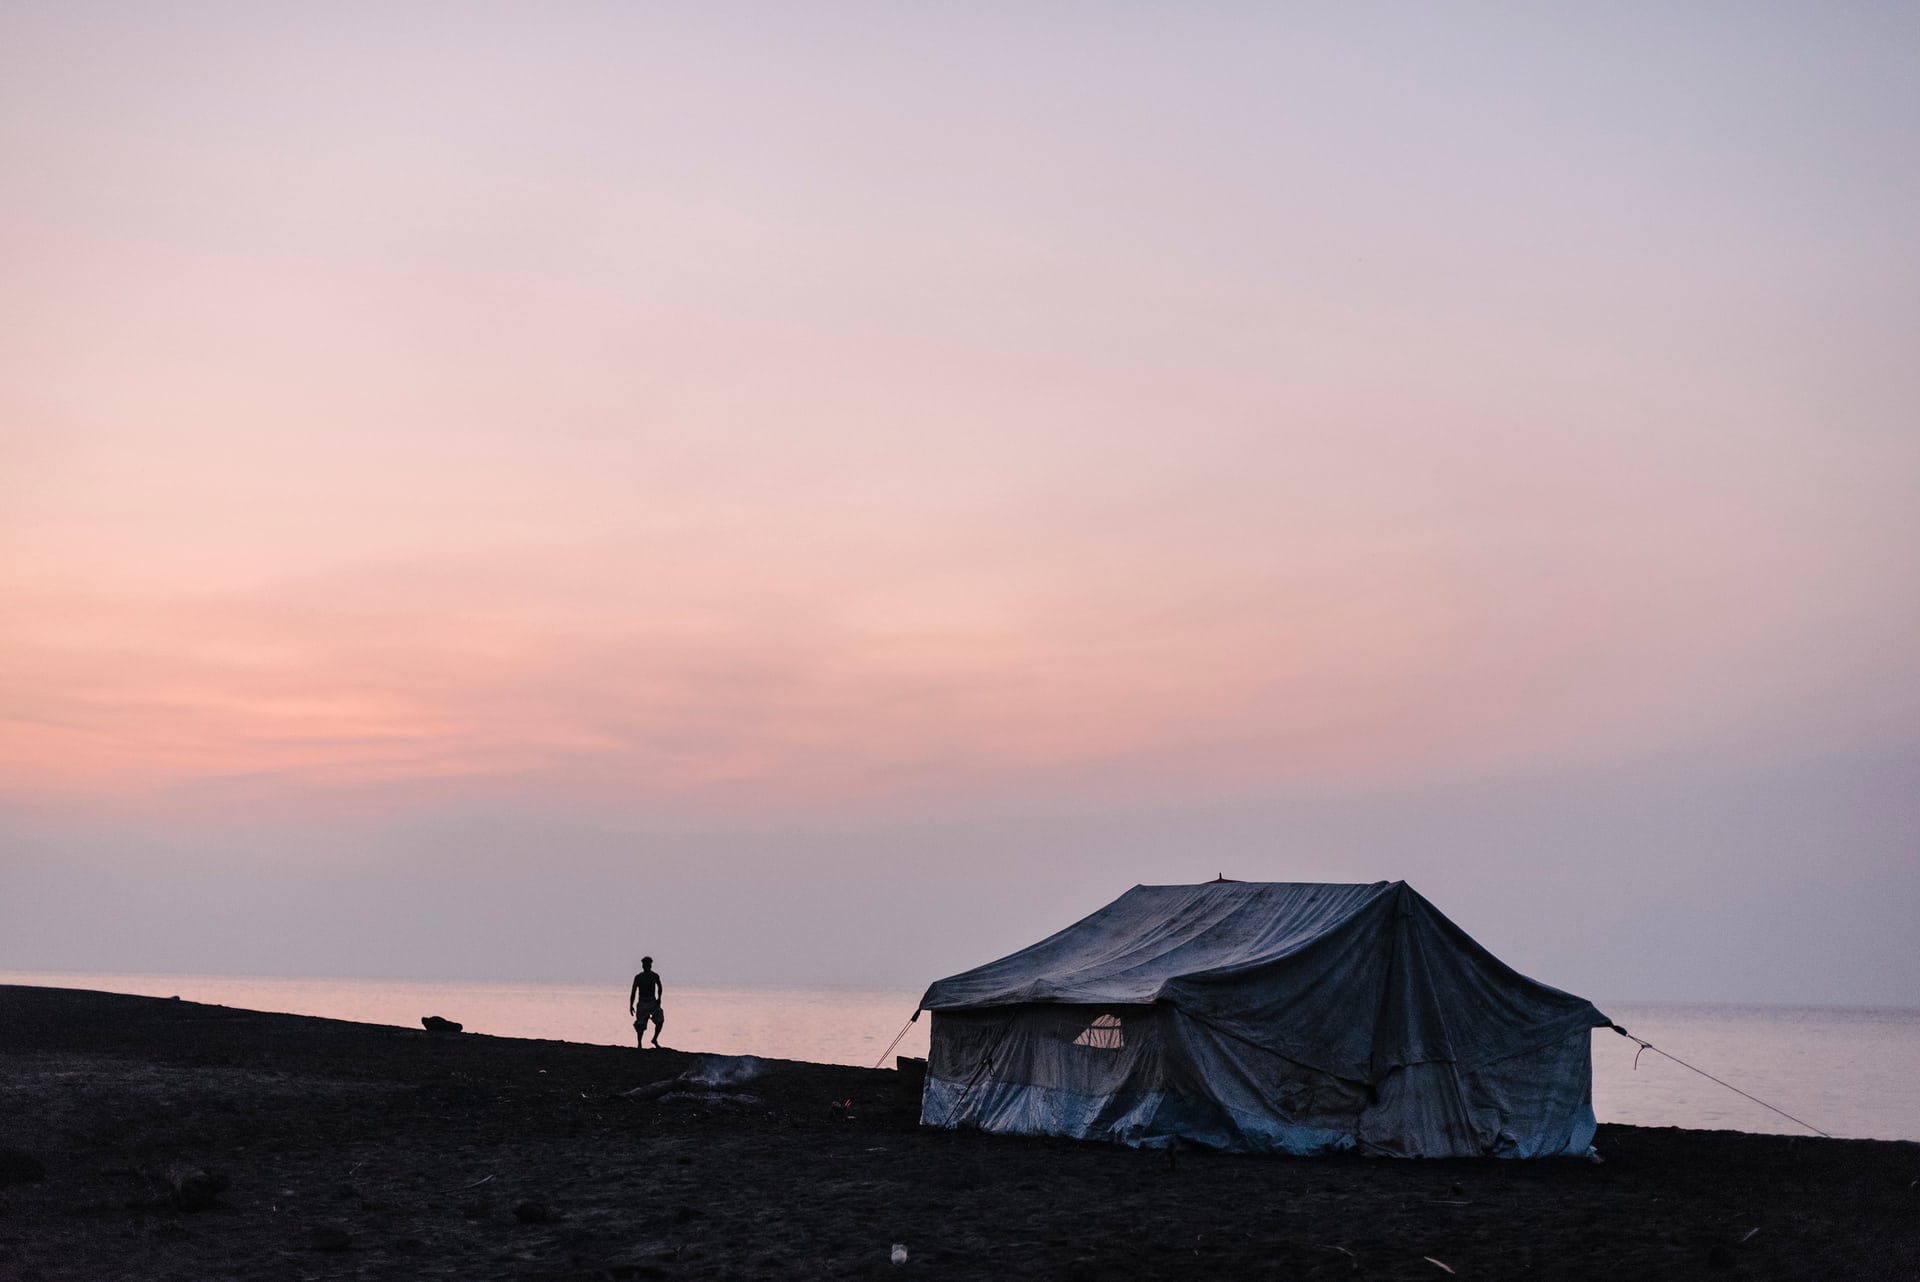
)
(1846, 1071)
(822, 1025)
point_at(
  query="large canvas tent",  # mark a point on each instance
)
(1265, 1016)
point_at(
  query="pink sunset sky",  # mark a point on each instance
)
(830, 493)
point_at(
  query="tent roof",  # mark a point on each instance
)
(1352, 979)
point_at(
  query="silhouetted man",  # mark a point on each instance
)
(643, 1003)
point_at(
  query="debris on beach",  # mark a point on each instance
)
(20, 1167)
(434, 1024)
(329, 1237)
(684, 1088)
(533, 1211)
(736, 1098)
(654, 1090)
(191, 1189)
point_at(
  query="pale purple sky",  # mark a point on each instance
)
(831, 493)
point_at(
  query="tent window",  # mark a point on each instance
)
(1104, 1033)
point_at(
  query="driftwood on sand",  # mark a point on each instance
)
(654, 1090)
(691, 1084)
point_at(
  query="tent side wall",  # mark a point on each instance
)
(1136, 1075)
(1143, 1075)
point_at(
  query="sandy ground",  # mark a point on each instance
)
(142, 1138)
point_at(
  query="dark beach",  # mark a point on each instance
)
(147, 1138)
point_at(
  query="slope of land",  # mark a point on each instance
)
(144, 1138)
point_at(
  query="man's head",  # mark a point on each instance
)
(646, 963)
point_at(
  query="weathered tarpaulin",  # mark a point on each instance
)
(1265, 1016)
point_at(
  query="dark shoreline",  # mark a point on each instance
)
(366, 1151)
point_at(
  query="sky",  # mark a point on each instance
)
(830, 494)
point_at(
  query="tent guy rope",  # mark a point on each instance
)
(1646, 1045)
(896, 1039)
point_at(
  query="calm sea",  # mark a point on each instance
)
(1851, 1072)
